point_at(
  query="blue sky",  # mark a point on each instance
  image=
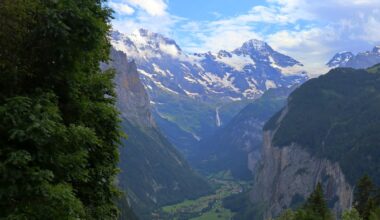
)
(311, 31)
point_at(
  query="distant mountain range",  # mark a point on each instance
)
(359, 61)
(192, 94)
(245, 72)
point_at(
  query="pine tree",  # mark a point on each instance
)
(364, 201)
(352, 214)
(58, 124)
(316, 204)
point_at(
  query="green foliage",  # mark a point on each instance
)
(58, 124)
(242, 206)
(375, 214)
(336, 116)
(352, 214)
(366, 199)
(316, 204)
(287, 215)
(315, 208)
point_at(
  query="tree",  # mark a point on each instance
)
(58, 123)
(364, 200)
(287, 215)
(317, 205)
(315, 208)
(352, 214)
(375, 214)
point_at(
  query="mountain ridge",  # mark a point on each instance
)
(235, 73)
(361, 60)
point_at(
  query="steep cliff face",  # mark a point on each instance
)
(287, 175)
(152, 173)
(328, 133)
(133, 100)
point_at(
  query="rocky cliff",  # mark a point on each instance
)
(287, 175)
(152, 173)
(328, 133)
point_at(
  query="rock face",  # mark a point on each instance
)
(133, 100)
(152, 173)
(287, 175)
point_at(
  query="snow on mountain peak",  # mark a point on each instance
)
(254, 45)
(243, 73)
(361, 60)
(145, 44)
(340, 59)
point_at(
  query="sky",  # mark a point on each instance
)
(311, 31)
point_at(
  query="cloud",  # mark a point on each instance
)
(152, 7)
(310, 31)
(122, 8)
(147, 14)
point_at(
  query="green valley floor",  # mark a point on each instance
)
(208, 207)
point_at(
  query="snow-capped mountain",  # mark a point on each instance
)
(191, 94)
(340, 59)
(360, 60)
(244, 73)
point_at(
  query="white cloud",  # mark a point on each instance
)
(147, 14)
(122, 8)
(309, 31)
(309, 46)
(152, 7)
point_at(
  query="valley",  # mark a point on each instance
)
(208, 207)
(203, 116)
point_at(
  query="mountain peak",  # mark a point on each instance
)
(254, 48)
(256, 45)
(143, 32)
(340, 59)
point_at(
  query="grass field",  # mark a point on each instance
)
(208, 207)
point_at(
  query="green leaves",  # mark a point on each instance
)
(18, 158)
(58, 125)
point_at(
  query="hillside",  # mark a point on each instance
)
(153, 173)
(337, 117)
(327, 133)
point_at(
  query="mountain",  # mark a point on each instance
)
(359, 61)
(236, 147)
(187, 89)
(246, 72)
(340, 59)
(153, 173)
(328, 133)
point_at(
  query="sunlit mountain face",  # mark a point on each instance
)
(244, 73)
